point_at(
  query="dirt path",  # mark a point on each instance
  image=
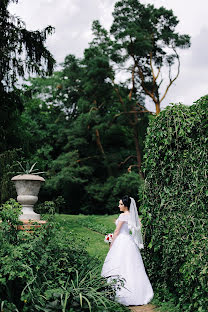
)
(144, 308)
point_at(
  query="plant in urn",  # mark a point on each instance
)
(27, 185)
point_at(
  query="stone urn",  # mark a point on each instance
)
(27, 187)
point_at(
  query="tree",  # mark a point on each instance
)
(21, 51)
(93, 132)
(43, 119)
(143, 42)
(146, 43)
(129, 107)
(70, 125)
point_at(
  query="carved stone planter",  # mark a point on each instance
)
(27, 187)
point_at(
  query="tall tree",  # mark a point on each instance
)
(43, 119)
(100, 131)
(130, 104)
(21, 51)
(142, 42)
(73, 133)
(146, 39)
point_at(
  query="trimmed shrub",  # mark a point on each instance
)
(175, 204)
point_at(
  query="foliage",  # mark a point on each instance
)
(88, 290)
(48, 270)
(84, 127)
(88, 131)
(43, 120)
(128, 109)
(175, 201)
(105, 196)
(77, 143)
(8, 160)
(28, 169)
(7, 306)
(59, 204)
(47, 207)
(146, 37)
(16, 44)
(51, 207)
(9, 214)
(16, 40)
(164, 306)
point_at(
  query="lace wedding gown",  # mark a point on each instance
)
(124, 259)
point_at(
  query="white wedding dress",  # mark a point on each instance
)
(124, 260)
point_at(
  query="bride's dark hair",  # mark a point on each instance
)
(126, 201)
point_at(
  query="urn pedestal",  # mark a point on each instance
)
(30, 226)
(27, 187)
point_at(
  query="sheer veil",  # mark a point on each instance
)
(134, 224)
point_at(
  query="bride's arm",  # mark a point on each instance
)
(117, 230)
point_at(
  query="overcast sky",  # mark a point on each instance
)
(72, 20)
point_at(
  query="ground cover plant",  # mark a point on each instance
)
(175, 205)
(48, 270)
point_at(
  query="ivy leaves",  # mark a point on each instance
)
(175, 167)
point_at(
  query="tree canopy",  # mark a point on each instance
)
(143, 40)
(21, 51)
(84, 125)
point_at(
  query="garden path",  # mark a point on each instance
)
(145, 308)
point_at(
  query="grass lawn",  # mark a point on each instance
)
(94, 240)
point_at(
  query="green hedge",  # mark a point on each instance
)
(175, 205)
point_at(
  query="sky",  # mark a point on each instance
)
(73, 19)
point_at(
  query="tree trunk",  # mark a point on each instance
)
(157, 108)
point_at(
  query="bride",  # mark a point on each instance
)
(124, 258)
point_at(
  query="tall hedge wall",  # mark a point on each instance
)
(175, 205)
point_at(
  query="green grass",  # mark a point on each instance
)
(94, 240)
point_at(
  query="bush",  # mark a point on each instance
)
(48, 270)
(51, 207)
(174, 206)
(59, 204)
(47, 207)
(7, 171)
(104, 198)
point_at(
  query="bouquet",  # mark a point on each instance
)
(108, 238)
